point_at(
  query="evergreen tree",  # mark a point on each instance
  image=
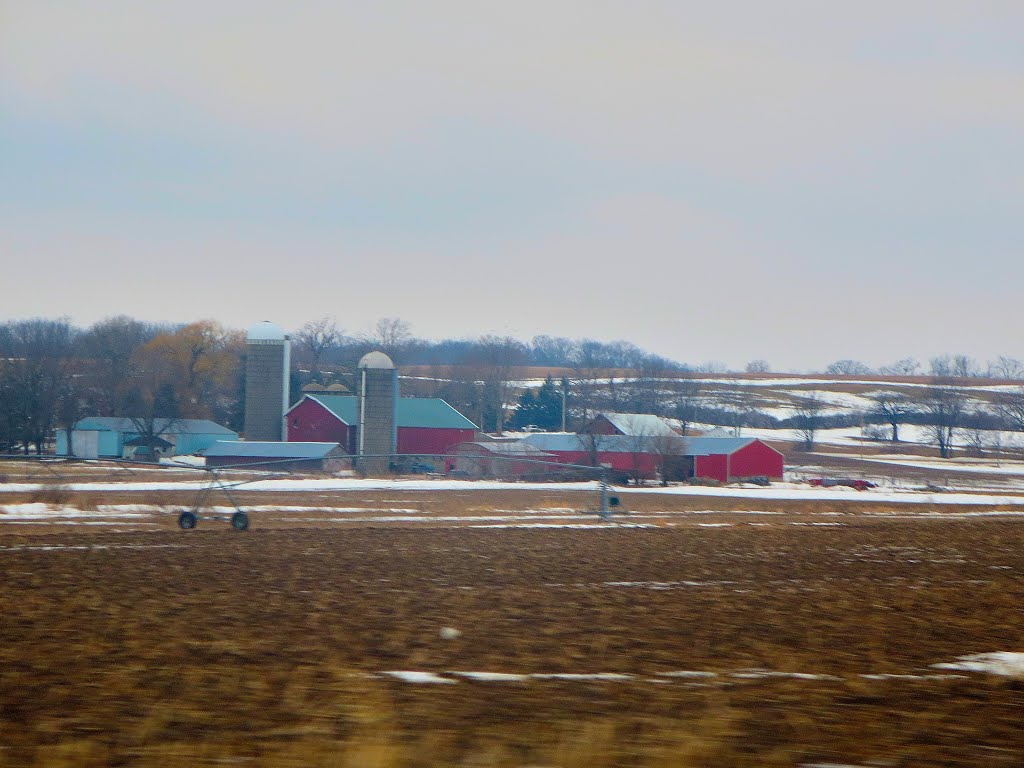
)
(543, 409)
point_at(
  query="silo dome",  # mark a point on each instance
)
(265, 331)
(376, 360)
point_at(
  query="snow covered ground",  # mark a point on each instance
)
(778, 491)
(1003, 663)
(685, 676)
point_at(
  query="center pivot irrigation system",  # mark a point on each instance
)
(608, 504)
(239, 519)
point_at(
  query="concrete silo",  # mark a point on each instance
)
(267, 366)
(377, 385)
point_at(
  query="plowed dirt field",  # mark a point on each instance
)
(721, 639)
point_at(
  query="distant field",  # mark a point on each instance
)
(783, 633)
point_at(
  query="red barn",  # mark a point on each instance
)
(733, 458)
(426, 425)
(715, 458)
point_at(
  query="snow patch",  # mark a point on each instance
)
(420, 678)
(688, 673)
(1004, 663)
(493, 677)
(758, 674)
(603, 677)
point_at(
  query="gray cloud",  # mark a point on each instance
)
(816, 173)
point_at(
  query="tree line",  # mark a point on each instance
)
(52, 373)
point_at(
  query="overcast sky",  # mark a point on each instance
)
(795, 180)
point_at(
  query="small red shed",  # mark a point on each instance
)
(733, 458)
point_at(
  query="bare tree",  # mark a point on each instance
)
(965, 367)
(689, 398)
(1006, 368)
(552, 350)
(638, 441)
(954, 366)
(908, 366)
(319, 337)
(809, 410)
(153, 413)
(496, 360)
(848, 368)
(647, 388)
(110, 346)
(594, 443)
(1009, 406)
(976, 423)
(36, 368)
(669, 451)
(942, 403)
(758, 366)
(154, 402)
(712, 366)
(393, 335)
(893, 407)
(735, 402)
(589, 372)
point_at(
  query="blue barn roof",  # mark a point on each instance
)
(161, 426)
(411, 411)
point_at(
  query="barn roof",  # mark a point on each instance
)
(505, 448)
(570, 442)
(690, 446)
(639, 424)
(430, 412)
(705, 446)
(160, 426)
(271, 450)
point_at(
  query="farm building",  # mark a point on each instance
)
(714, 458)
(425, 426)
(731, 458)
(508, 460)
(96, 437)
(632, 424)
(634, 456)
(278, 456)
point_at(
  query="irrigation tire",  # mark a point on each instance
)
(187, 520)
(240, 521)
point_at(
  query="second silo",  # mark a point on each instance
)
(377, 385)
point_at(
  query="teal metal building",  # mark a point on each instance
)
(98, 437)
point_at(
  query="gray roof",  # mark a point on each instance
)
(691, 446)
(639, 424)
(705, 446)
(270, 450)
(566, 441)
(506, 448)
(161, 426)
